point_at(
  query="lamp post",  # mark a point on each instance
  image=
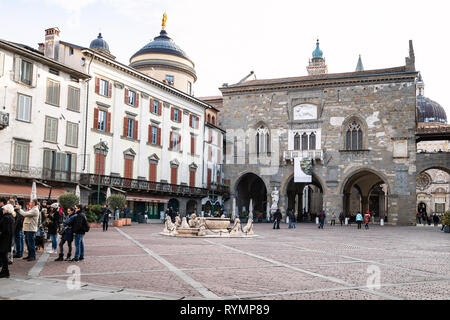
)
(213, 187)
(102, 150)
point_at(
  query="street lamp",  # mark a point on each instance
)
(102, 150)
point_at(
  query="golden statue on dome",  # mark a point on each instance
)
(164, 21)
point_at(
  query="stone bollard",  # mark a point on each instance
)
(382, 222)
(346, 221)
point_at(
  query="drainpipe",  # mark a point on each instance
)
(86, 119)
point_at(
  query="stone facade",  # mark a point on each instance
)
(382, 101)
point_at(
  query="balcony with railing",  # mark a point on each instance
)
(21, 171)
(308, 154)
(157, 188)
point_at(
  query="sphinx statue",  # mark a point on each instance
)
(248, 229)
(184, 223)
(236, 230)
(177, 221)
(169, 227)
(193, 220)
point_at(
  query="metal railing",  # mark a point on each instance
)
(311, 154)
(21, 171)
(142, 185)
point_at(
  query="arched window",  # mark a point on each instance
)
(297, 141)
(304, 141)
(262, 140)
(213, 120)
(312, 141)
(209, 118)
(354, 137)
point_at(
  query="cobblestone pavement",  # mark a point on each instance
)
(137, 262)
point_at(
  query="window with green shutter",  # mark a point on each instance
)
(53, 92)
(21, 153)
(51, 129)
(72, 134)
(73, 101)
(24, 108)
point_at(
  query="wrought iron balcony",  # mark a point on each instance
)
(143, 186)
(308, 154)
(4, 120)
(21, 171)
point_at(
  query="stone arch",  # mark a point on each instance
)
(251, 186)
(370, 169)
(344, 127)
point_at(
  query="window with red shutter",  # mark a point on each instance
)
(180, 112)
(192, 178)
(152, 176)
(136, 103)
(150, 134)
(160, 108)
(95, 126)
(97, 85)
(99, 164)
(125, 126)
(171, 140)
(192, 145)
(135, 133)
(190, 120)
(173, 175)
(126, 96)
(128, 170)
(179, 142)
(172, 113)
(159, 136)
(108, 122)
(151, 105)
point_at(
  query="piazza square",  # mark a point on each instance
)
(304, 263)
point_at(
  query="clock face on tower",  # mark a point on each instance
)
(305, 112)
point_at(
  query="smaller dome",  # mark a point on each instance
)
(99, 43)
(430, 111)
(317, 54)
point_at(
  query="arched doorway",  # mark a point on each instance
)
(305, 199)
(191, 207)
(174, 204)
(433, 191)
(366, 190)
(251, 186)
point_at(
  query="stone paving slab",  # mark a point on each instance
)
(303, 263)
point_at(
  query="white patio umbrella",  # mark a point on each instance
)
(233, 209)
(33, 195)
(108, 193)
(268, 212)
(78, 192)
(250, 209)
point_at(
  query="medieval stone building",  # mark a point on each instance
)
(351, 134)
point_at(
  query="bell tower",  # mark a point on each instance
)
(317, 64)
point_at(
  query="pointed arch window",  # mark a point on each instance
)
(354, 137)
(304, 141)
(297, 141)
(312, 141)
(262, 140)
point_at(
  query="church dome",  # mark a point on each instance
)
(317, 53)
(162, 44)
(99, 44)
(430, 111)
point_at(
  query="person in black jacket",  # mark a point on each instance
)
(67, 236)
(277, 217)
(79, 228)
(6, 235)
(105, 217)
(52, 218)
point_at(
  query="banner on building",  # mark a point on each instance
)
(302, 170)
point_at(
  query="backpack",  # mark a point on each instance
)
(84, 224)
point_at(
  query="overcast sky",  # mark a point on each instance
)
(228, 39)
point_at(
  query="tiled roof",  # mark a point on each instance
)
(320, 77)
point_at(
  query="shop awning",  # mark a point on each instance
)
(139, 198)
(24, 191)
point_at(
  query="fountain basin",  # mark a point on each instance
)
(217, 223)
(187, 232)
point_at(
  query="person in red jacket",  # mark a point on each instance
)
(367, 220)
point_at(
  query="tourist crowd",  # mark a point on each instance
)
(34, 225)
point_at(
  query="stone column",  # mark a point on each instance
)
(333, 202)
(365, 203)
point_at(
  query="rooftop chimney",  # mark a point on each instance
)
(411, 60)
(52, 43)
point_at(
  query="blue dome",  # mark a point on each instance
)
(162, 44)
(317, 54)
(99, 43)
(430, 111)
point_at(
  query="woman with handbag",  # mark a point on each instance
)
(66, 235)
